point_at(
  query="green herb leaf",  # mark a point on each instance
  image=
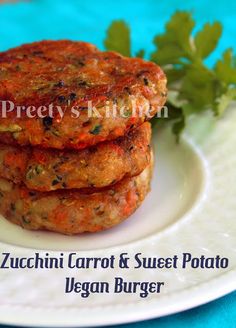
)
(140, 53)
(198, 88)
(175, 43)
(193, 87)
(179, 126)
(225, 99)
(207, 39)
(225, 68)
(118, 38)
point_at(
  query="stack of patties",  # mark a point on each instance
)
(75, 150)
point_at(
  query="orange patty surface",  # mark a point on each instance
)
(98, 166)
(60, 83)
(73, 211)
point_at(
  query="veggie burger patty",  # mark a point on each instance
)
(72, 212)
(71, 74)
(97, 166)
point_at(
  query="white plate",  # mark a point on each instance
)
(191, 208)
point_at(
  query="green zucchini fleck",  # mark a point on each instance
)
(25, 220)
(38, 169)
(96, 130)
(10, 128)
(13, 207)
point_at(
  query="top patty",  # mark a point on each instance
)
(71, 74)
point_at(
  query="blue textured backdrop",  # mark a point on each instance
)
(88, 20)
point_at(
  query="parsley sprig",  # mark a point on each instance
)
(193, 86)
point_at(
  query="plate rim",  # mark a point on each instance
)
(206, 290)
(198, 294)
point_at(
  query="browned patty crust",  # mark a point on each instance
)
(69, 74)
(73, 212)
(97, 166)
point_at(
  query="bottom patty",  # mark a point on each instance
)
(73, 211)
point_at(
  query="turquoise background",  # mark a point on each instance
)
(88, 20)
(33, 20)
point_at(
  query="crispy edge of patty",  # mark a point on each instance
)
(96, 167)
(73, 212)
(126, 80)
